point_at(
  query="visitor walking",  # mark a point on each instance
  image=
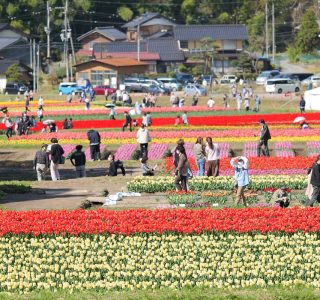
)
(199, 154)
(239, 101)
(265, 136)
(149, 119)
(210, 103)
(41, 162)
(9, 126)
(302, 104)
(40, 113)
(213, 157)
(258, 102)
(127, 121)
(143, 138)
(241, 176)
(315, 182)
(41, 101)
(78, 159)
(95, 140)
(106, 94)
(56, 152)
(185, 118)
(225, 101)
(181, 171)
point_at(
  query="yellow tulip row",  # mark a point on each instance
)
(151, 261)
(39, 141)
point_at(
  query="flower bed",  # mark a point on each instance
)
(251, 149)
(284, 149)
(166, 183)
(125, 151)
(157, 151)
(149, 249)
(313, 148)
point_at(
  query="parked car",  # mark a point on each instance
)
(314, 80)
(171, 83)
(282, 85)
(15, 88)
(195, 89)
(288, 76)
(100, 89)
(228, 79)
(184, 78)
(66, 88)
(134, 84)
(265, 75)
(156, 89)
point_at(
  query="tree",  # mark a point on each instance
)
(14, 73)
(125, 13)
(243, 64)
(307, 38)
(293, 54)
(207, 52)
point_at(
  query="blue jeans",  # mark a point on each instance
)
(201, 163)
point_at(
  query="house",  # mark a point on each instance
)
(228, 41)
(14, 45)
(109, 71)
(99, 35)
(25, 71)
(148, 24)
(166, 49)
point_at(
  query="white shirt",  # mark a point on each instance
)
(210, 103)
(41, 101)
(143, 136)
(213, 154)
(125, 97)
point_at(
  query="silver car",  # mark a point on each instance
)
(195, 89)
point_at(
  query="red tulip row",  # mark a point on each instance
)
(159, 221)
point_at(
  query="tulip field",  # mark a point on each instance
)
(197, 246)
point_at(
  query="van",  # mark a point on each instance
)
(228, 79)
(171, 83)
(265, 75)
(282, 85)
(15, 88)
(67, 88)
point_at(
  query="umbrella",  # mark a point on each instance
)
(299, 119)
(48, 122)
(109, 105)
(4, 108)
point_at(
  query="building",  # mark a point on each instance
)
(227, 41)
(109, 71)
(148, 25)
(99, 35)
(14, 45)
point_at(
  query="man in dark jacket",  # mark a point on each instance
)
(114, 166)
(56, 152)
(95, 140)
(127, 122)
(78, 159)
(315, 182)
(41, 162)
(264, 138)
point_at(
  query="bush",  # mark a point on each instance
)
(105, 154)
(293, 54)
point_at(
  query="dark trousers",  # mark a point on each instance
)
(9, 132)
(213, 168)
(126, 124)
(314, 196)
(144, 150)
(264, 151)
(95, 152)
(181, 183)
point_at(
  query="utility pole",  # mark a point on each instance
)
(71, 74)
(48, 30)
(138, 43)
(71, 42)
(38, 68)
(31, 53)
(66, 60)
(273, 35)
(34, 67)
(267, 32)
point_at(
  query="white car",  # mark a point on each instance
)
(195, 90)
(228, 79)
(314, 80)
(265, 76)
(282, 85)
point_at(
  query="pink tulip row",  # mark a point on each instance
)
(284, 149)
(250, 149)
(125, 151)
(313, 148)
(156, 151)
(70, 148)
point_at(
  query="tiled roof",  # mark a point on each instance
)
(216, 32)
(108, 32)
(140, 20)
(143, 55)
(158, 21)
(5, 42)
(160, 34)
(117, 62)
(166, 47)
(5, 64)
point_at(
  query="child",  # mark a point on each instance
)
(134, 123)
(185, 118)
(78, 159)
(177, 121)
(146, 170)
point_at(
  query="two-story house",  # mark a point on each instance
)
(227, 42)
